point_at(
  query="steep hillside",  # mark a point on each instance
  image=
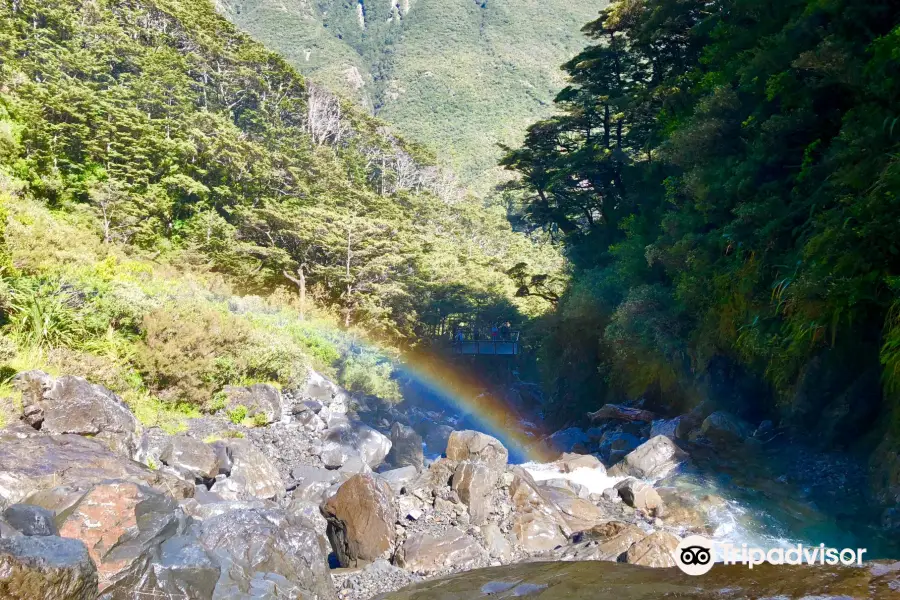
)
(458, 76)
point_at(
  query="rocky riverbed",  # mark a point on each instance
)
(331, 496)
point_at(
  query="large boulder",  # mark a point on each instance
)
(191, 457)
(182, 568)
(477, 447)
(120, 523)
(427, 553)
(46, 568)
(640, 495)
(497, 544)
(258, 399)
(399, 478)
(253, 476)
(473, 482)
(406, 447)
(361, 518)
(374, 446)
(32, 464)
(312, 483)
(655, 550)
(266, 554)
(723, 428)
(538, 524)
(343, 442)
(568, 462)
(653, 459)
(578, 513)
(74, 405)
(29, 519)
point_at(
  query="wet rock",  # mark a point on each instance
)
(312, 482)
(361, 517)
(568, 485)
(398, 478)
(567, 440)
(191, 457)
(428, 552)
(497, 544)
(655, 550)
(653, 459)
(265, 554)
(42, 462)
(120, 522)
(74, 405)
(640, 495)
(46, 567)
(666, 427)
(568, 462)
(406, 447)
(723, 428)
(477, 447)
(473, 482)
(259, 398)
(681, 511)
(29, 519)
(253, 476)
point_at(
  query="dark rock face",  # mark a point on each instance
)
(30, 519)
(191, 457)
(182, 569)
(261, 551)
(46, 568)
(593, 580)
(723, 428)
(406, 447)
(259, 398)
(74, 405)
(437, 437)
(361, 518)
(42, 462)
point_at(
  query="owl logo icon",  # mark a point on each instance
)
(694, 555)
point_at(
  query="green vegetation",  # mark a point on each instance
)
(238, 414)
(726, 179)
(459, 77)
(180, 212)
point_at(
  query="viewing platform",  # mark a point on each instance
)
(502, 346)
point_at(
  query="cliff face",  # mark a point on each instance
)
(459, 76)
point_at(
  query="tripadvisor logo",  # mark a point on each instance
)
(696, 555)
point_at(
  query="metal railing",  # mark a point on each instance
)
(503, 345)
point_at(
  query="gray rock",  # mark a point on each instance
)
(49, 568)
(374, 446)
(473, 482)
(312, 482)
(568, 485)
(29, 465)
(223, 460)
(655, 550)
(191, 457)
(567, 440)
(7, 530)
(498, 545)
(477, 447)
(253, 476)
(640, 495)
(321, 389)
(259, 398)
(260, 551)
(538, 524)
(310, 421)
(436, 438)
(182, 569)
(30, 519)
(397, 478)
(653, 459)
(666, 427)
(428, 552)
(615, 445)
(406, 447)
(74, 405)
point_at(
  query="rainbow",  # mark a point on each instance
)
(461, 390)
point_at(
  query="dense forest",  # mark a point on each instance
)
(158, 168)
(725, 177)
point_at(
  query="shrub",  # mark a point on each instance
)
(44, 315)
(260, 420)
(238, 414)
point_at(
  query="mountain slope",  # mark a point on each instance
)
(458, 76)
